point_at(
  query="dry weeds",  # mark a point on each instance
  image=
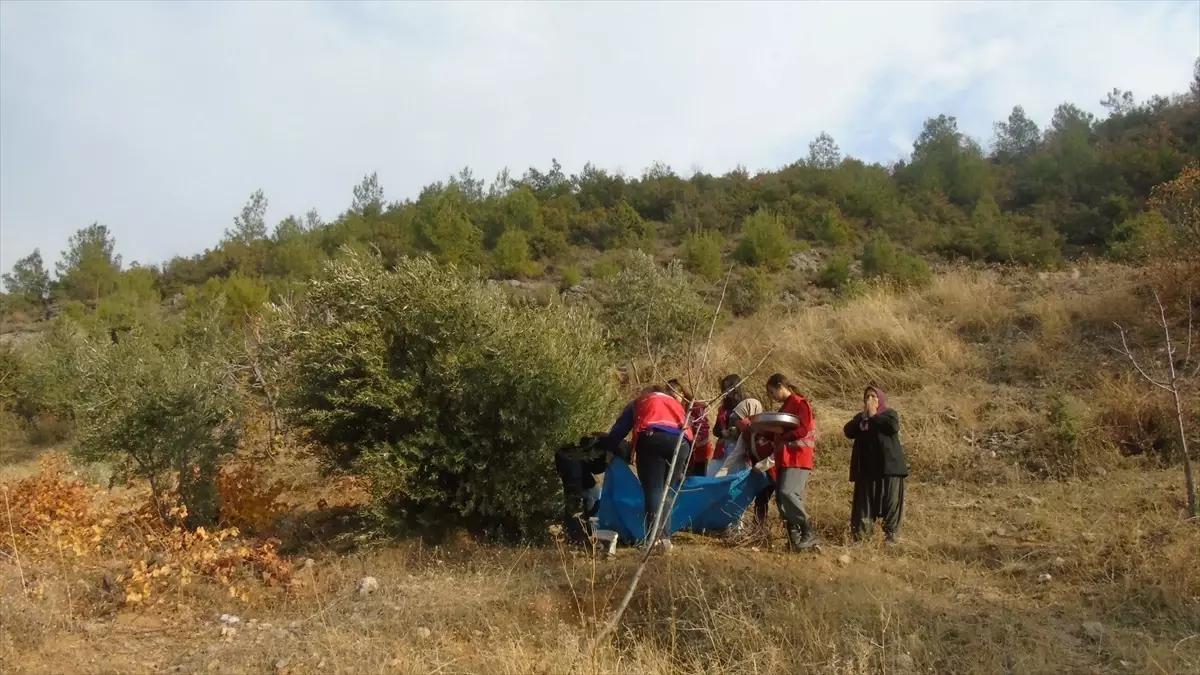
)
(1000, 569)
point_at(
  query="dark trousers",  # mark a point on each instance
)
(654, 450)
(762, 502)
(698, 468)
(576, 481)
(877, 499)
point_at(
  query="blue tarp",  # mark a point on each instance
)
(704, 504)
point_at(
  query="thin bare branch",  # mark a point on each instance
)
(1162, 313)
(1124, 350)
(1187, 355)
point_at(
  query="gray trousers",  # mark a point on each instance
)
(789, 493)
(877, 499)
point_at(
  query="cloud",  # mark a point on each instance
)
(159, 119)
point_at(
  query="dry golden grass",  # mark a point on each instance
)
(963, 595)
(999, 572)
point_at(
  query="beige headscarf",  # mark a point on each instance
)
(748, 408)
(736, 456)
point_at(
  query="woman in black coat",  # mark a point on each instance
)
(878, 468)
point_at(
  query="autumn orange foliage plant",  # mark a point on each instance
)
(53, 515)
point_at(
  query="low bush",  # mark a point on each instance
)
(750, 291)
(446, 397)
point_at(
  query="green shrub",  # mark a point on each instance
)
(648, 306)
(610, 264)
(1140, 237)
(836, 274)
(511, 256)
(448, 398)
(750, 291)
(832, 229)
(881, 258)
(571, 277)
(160, 403)
(702, 255)
(764, 242)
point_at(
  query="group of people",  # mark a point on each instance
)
(666, 425)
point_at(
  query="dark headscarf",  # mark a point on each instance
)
(882, 397)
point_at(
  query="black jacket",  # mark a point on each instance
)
(877, 450)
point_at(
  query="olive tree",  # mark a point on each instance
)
(449, 399)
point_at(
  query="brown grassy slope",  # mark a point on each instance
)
(977, 365)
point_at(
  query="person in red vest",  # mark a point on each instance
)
(656, 420)
(701, 440)
(731, 387)
(794, 462)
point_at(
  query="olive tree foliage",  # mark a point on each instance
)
(650, 310)
(449, 399)
(29, 280)
(160, 402)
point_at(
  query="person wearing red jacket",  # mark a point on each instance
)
(701, 443)
(656, 420)
(794, 462)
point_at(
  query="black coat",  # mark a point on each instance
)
(877, 450)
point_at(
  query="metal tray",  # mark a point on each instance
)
(773, 422)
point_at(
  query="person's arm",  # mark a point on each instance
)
(621, 428)
(853, 427)
(732, 424)
(886, 422)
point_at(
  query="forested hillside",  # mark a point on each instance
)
(330, 446)
(1074, 186)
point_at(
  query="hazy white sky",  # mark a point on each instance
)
(160, 118)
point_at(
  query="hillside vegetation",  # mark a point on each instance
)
(330, 449)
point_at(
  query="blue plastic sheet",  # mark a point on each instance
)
(704, 504)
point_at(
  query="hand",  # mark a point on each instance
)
(871, 407)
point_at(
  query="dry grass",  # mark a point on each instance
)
(976, 365)
(962, 596)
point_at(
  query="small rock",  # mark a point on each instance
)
(367, 586)
(213, 665)
(1001, 531)
(229, 619)
(1094, 630)
(843, 560)
(423, 633)
(1044, 578)
(1088, 537)
(961, 597)
(1100, 471)
(1125, 664)
(309, 563)
(1059, 562)
(282, 664)
(294, 625)
(228, 631)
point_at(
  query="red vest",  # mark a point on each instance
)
(655, 409)
(794, 450)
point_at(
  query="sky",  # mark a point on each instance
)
(159, 119)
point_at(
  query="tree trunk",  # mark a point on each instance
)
(1189, 480)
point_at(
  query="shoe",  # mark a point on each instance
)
(802, 539)
(891, 541)
(662, 546)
